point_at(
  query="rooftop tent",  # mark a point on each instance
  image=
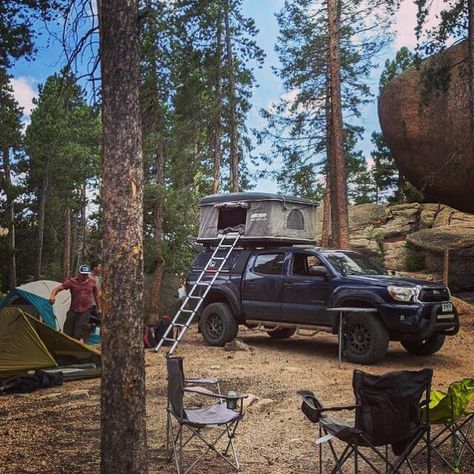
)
(28, 344)
(33, 298)
(259, 217)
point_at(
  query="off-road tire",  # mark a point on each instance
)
(218, 324)
(282, 333)
(365, 338)
(426, 346)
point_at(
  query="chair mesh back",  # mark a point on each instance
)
(389, 410)
(175, 384)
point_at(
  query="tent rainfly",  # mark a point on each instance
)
(259, 217)
(33, 298)
(28, 344)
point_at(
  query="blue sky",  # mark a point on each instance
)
(28, 75)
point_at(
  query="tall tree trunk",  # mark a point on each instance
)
(10, 207)
(217, 151)
(326, 240)
(123, 420)
(74, 243)
(41, 216)
(337, 167)
(234, 153)
(83, 234)
(159, 270)
(471, 68)
(67, 245)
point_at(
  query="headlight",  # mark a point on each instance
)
(401, 293)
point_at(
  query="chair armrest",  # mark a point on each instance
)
(203, 381)
(208, 393)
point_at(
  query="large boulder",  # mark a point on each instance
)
(427, 127)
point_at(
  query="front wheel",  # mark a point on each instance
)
(365, 338)
(426, 346)
(218, 324)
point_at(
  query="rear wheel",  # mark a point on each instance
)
(426, 346)
(218, 324)
(365, 338)
(282, 333)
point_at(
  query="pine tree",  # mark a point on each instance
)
(10, 144)
(123, 446)
(301, 125)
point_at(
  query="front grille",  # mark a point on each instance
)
(433, 295)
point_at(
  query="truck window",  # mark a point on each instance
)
(269, 264)
(303, 263)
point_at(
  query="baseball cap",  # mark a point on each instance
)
(85, 270)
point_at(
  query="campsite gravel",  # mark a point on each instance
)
(58, 430)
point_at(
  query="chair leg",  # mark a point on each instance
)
(320, 447)
(356, 460)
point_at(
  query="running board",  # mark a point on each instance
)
(269, 326)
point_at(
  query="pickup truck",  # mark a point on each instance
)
(283, 289)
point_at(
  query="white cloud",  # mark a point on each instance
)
(406, 22)
(24, 90)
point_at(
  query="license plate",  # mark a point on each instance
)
(446, 307)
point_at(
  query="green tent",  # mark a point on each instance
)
(28, 344)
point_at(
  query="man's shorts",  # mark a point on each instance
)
(77, 325)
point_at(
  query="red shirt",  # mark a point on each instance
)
(82, 293)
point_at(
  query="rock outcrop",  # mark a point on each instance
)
(425, 118)
(412, 237)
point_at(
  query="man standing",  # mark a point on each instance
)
(83, 292)
(96, 274)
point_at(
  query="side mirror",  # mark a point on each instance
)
(318, 271)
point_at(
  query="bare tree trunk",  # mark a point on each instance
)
(67, 245)
(234, 153)
(401, 182)
(10, 207)
(154, 313)
(123, 420)
(41, 216)
(326, 230)
(74, 244)
(337, 168)
(471, 67)
(83, 234)
(217, 152)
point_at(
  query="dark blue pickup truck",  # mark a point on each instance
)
(290, 288)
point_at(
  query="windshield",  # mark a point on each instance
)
(351, 263)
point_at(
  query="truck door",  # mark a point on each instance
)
(262, 287)
(306, 290)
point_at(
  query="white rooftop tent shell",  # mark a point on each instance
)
(259, 217)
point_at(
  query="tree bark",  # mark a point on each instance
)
(337, 165)
(10, 208)
(234, 153)
(67, 245)
(401, 183)
(83, 235)
(217, 151)
(41, 217)
(471, 68)
(123, 420)
(159, 270)
(326, 229)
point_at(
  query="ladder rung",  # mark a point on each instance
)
(203, 283)
(187, 310)
(218, 258)
(192, 297)
(180, 325)
(170, 339)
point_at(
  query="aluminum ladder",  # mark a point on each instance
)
(195, 298)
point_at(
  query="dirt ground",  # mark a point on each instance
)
(57, 430)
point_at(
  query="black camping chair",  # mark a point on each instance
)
(387, 412)
(219, 415)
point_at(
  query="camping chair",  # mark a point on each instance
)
(225, 416)
(387, 412)
(451, 412)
